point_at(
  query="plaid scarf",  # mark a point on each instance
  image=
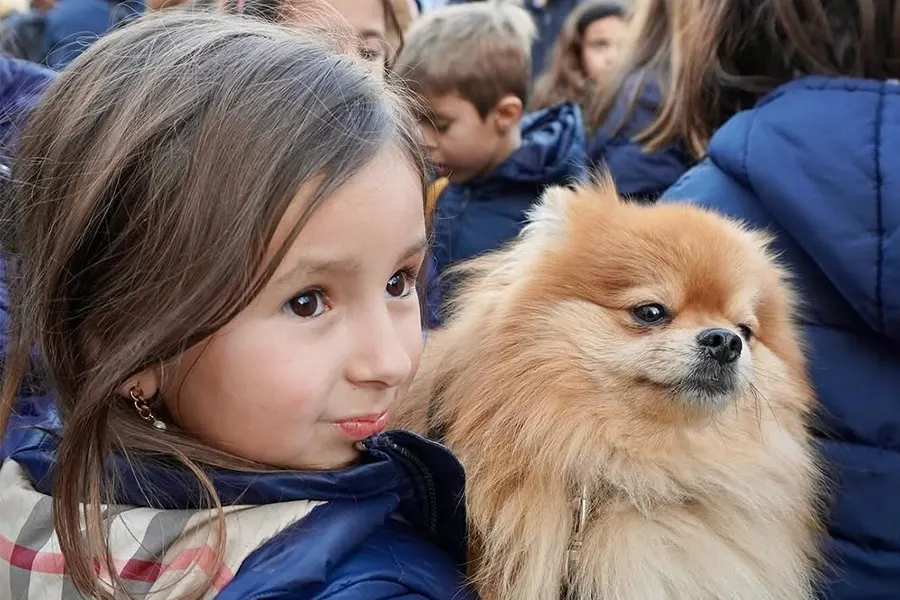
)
(157, 553)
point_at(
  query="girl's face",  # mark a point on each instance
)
(601, 46)
(369, 20)
(317, 360)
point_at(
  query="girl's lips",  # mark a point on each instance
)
(362, 427)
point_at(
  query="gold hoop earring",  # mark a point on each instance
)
(143, 411)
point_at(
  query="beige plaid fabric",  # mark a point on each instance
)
(158, 553)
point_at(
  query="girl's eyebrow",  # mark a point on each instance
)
(341, 266)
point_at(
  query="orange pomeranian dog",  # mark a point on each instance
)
(626, 390)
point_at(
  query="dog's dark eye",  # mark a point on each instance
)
(650, 314)
(746, 332)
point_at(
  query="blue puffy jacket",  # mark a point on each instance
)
(21, 85)
(817, 163)
(638, 174)
(481, 215)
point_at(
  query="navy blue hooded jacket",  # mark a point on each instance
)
(817, 162)
(482, 214)
(638, 174)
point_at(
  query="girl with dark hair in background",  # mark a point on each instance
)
(629, 141)
(588, 47)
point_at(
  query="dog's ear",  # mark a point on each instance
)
(549, 218)
(602, 189)
(552, 215)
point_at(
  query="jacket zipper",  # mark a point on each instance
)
(429, 483)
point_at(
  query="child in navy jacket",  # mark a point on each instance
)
(470, 65)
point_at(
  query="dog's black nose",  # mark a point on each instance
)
(721, 344)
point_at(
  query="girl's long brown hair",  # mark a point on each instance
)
(714, 58)
(565, 78)
(147, 189)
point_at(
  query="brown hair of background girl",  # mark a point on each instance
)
(716, 58)
(160, 223)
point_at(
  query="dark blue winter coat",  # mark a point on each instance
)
(483, 214)
(638, 174)
(390, 528)
(21, 85)
(817, 163)
(72, 25)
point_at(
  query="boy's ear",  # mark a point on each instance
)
(507, 113)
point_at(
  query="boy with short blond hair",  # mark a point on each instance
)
(470, 65)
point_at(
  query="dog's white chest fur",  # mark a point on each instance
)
(743, 539)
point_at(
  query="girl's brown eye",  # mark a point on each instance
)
(399, 285)
(307, 305)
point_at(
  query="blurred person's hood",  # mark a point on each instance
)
(553, 151)
(823, 157)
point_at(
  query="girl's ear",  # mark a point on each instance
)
(147, 381)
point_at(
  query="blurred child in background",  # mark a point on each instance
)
(643, 157)
(471, 66)
(548, 17)
(374, 21)
(588, 47)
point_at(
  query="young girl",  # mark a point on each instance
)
(643, 157)
(374, 21)
(798, 106)
(212, 248)
(588, 47)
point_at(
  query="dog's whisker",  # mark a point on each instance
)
(757, 394)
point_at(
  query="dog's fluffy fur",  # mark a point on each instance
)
(544, 381)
